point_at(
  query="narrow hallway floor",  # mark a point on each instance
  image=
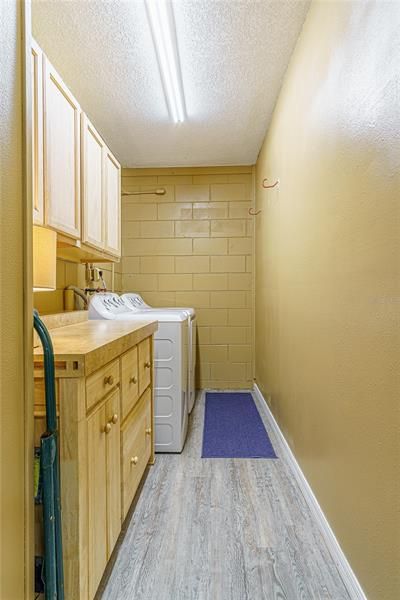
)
(222, 529)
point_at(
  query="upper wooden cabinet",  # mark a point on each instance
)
(37, 132)
(76, 178)
(101, 192)
(93, 184)
(61, 154)
(112, 171)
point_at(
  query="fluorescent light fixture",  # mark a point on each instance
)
(162, 23)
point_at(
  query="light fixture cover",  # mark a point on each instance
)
(162, 23)
(44, 259)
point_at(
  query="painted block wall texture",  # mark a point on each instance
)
(69, 273)
(194, 247)
(328, 276)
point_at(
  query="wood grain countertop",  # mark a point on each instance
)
(82, 348)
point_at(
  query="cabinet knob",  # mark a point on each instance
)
(147, 364)
(107, 428)
(108, 380)
(114, 418)
(134, 379)
(134, 460)
(148, 431)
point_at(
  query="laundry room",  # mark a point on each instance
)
(199, 300)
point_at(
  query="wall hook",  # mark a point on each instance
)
(253, 212)
(269, 186)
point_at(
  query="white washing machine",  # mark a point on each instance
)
(138, 304)
(170, 366)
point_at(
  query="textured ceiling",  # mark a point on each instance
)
(234, 54)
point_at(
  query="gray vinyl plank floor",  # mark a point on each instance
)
(222, 529)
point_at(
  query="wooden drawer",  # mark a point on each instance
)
(101, 382)
(129, 381)
(136, 449)
(144, 351)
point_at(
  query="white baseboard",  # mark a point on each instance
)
(349, 579)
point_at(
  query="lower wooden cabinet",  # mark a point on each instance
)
(104, 498)
(136, 449)
(97, 499)
(145, 365)
(106, 442)
(129, 381)
(113, 471)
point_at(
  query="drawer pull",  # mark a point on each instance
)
(108, 380)
(114, 418)
(134, 460)
(107, 428)
(148, 431)
(147, 364)
(134, 379)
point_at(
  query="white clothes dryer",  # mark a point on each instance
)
(170, 366)
(138, 304)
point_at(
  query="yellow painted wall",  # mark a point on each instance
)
(14, 521)
(327, 276)
(69, 273)
(193, 247)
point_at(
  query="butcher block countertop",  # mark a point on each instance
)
(82, 348)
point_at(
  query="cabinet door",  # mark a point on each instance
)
(145, 366)
(136, 448)
(113, 469)
(61, 155)
(129, 381)
(92, 170)
(37, 132)
(112, 204)
(97, 498)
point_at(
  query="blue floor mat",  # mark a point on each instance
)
(233, 427)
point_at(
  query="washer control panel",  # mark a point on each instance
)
(106, 305)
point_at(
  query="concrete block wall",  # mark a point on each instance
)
(194, 247)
